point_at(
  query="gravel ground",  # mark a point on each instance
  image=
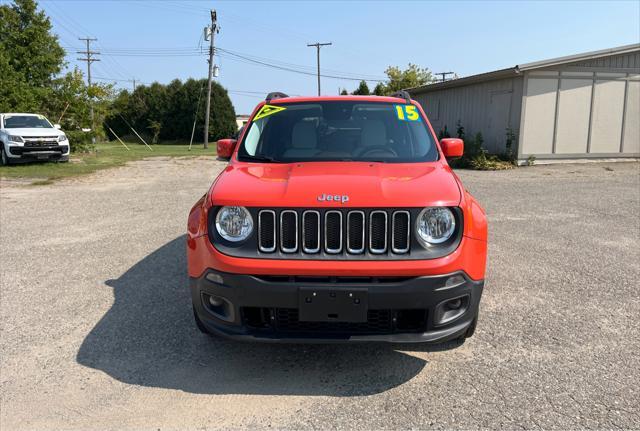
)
(97, 331)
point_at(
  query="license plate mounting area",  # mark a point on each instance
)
(329, 304)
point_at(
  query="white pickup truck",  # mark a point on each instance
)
(31, 137)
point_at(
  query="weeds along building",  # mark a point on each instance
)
(575, 107)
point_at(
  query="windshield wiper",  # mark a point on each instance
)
(259, 159)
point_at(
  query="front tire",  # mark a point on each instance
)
(4, 160)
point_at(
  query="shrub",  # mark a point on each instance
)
(80, 142)
(476, 157)
(460, 130)
(509, 155)
(444, 133)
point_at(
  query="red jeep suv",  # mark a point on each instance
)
(337, 219)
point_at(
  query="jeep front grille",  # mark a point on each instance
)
(267, 227)
(334, 232)
(289, 231)
(400, 231)
(311, 231)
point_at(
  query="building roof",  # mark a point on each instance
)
(519, 68)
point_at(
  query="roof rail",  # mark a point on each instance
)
(402, 95)
(275, 95)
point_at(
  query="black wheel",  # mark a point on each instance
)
(199, 323)
(4, 160)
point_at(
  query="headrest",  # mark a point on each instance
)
(304, 135)
(373, 133)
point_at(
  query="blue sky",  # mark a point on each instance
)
(160, 39)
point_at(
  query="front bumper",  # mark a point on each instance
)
(18, 153)
(400, 309)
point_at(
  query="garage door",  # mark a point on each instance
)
(581, 113)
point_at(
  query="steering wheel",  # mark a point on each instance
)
(377, 148)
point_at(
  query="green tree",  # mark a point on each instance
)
(119, 108)
(222, 123)
(30, 56)
(362, 90)
(188, 100)
(71, 100)
(379, 89)
(412, 76)
(167, 112)
(344, 92)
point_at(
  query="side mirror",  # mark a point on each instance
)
(225, 148)
(452, 147)
(57, 126)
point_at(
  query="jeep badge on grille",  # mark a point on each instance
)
(335, 198)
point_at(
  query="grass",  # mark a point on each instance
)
(108, 155)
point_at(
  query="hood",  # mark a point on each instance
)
(364, 184)
(27, 132)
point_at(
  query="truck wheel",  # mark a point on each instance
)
(199, 323)
(4, 160)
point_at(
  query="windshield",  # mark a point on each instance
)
(337, 130)
(26, 122)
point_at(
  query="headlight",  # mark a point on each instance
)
(14, 138)
(62, 138)
(234, 223)
(435, 225)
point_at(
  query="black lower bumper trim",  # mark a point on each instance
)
(399, 310)
(28, 154)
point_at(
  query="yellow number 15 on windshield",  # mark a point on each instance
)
(407, 113)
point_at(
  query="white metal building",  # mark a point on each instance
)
(241, 120)
(576, 107)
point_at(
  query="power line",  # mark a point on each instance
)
(226, 53)
(237, 56)
(257, 93)
(59, 22)
(301, 67)
(194, 52)
(234, 56)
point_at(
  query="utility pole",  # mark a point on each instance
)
(211, 32)
(318, 45)
(444, 75)
(89, 58)
(134, 84)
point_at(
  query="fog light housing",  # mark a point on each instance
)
(215, 301)
(219, 307)
(451, 309)
(454, 304)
